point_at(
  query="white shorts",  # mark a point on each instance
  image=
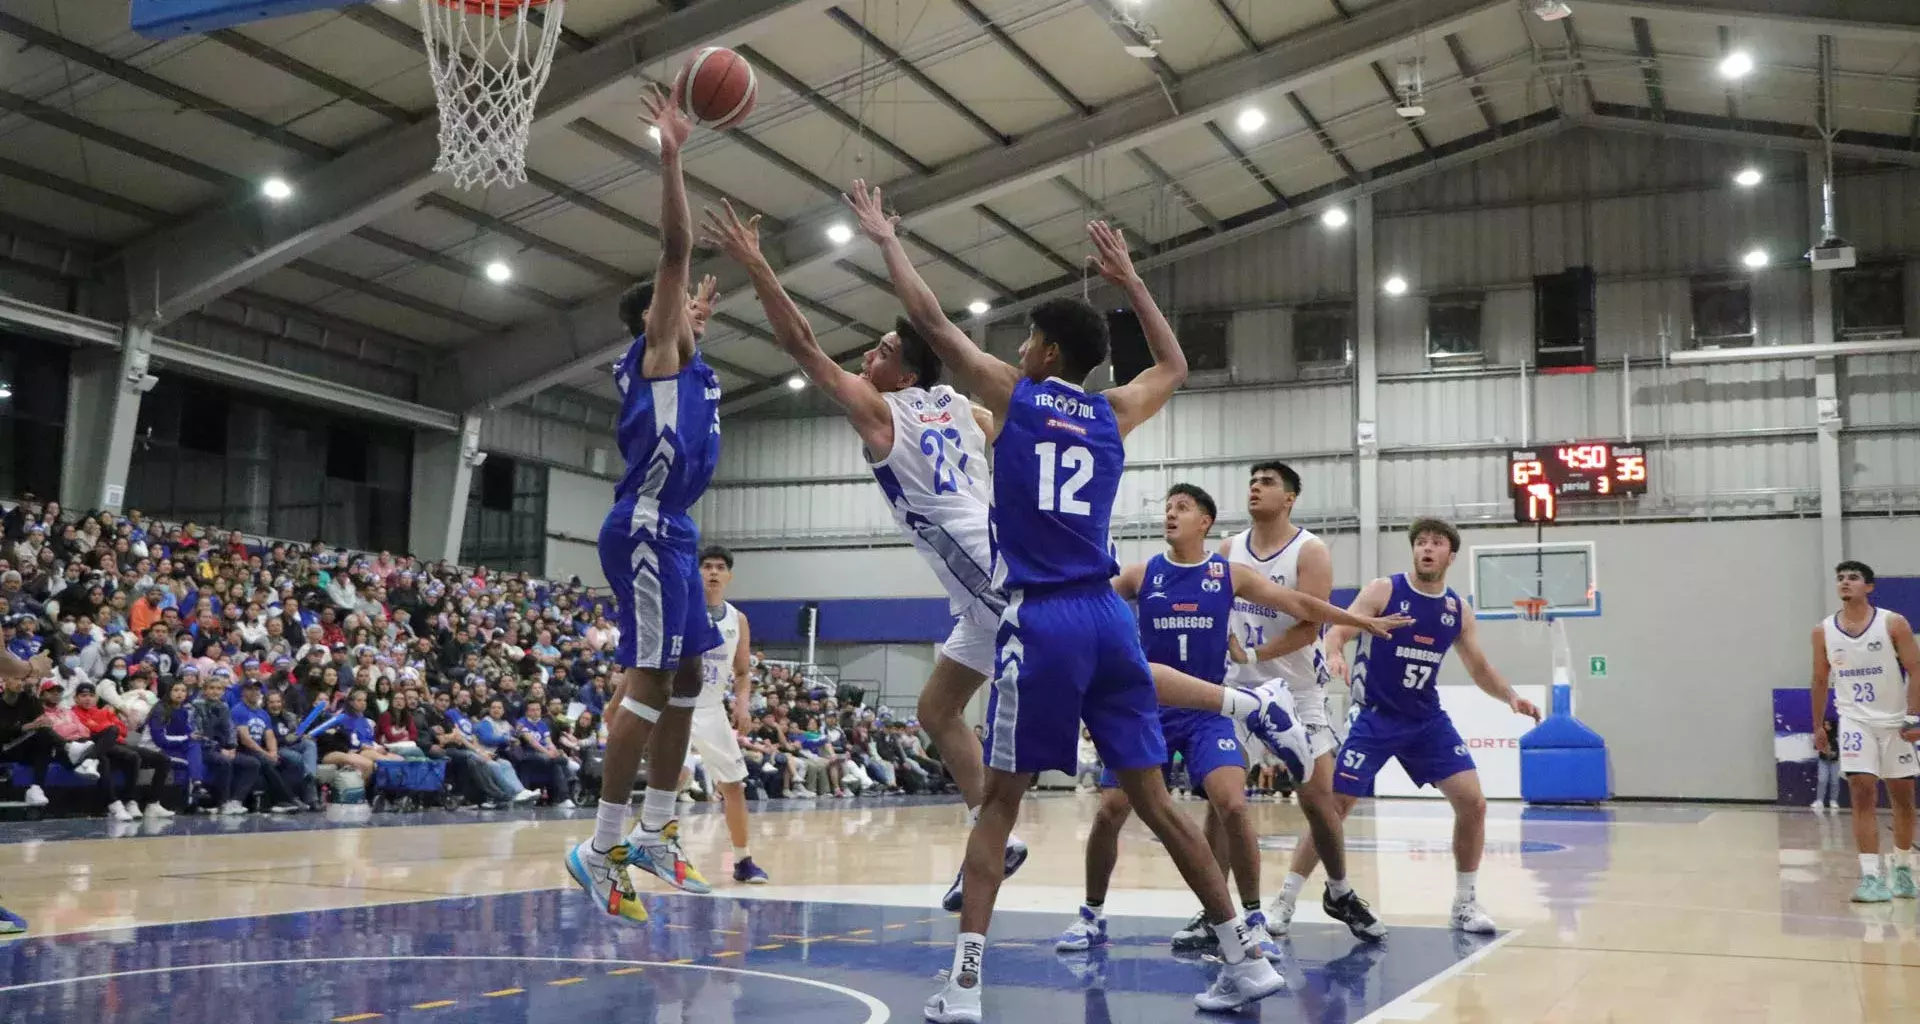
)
(714, 741)
(1876, 750)
(971, 642)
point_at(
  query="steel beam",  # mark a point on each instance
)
(1013, 49)
(543, 353)
(183, 268)
(1448, 156)
(1246, 162)
(919, 77)
(1472, 78)
(1883, 149)
(1898, 20)
(1166, 181)
(1326, 141)
(1379, 73)
(1087, 202)
(1650, 67)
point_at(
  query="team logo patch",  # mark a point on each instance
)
(1159, 579)
(1216, 569)
(1210, 586)
(1873, 645)
(1447, 620)
(1418, 639)
(1403, 606)
(1460, 749)
(1227, 744)
(1451, 606)
(1186, 606)
(1058, 424)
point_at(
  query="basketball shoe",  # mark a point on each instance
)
(1087, 931)
(603, 876)
(658, 853)
(1016, 856)
(1277, 730)
(1352, 911)
(1238, 984)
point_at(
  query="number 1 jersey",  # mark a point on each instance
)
(1397, 674)
(1056, 469)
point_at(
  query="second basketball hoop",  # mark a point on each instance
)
(489, 60)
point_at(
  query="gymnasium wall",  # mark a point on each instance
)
(576, 505)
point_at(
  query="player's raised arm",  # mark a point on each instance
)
(669, 326)
(1485, 676)
(1127, 584)
(865, 409)
(1372, 600)
(989, 380)
(1141, 397)
(1262, 591)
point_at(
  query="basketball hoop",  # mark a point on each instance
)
(489, 60)
(1530, 609)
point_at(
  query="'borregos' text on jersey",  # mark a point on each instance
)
(1256, 624)
(935, 480)
(1398, 674)
(669, 435)
(716, 666)
(1056, 470)
(1868, 683)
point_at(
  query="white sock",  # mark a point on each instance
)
(1870, 865)
(1290, 889)
(740, 853)
(1233, 937)
(1337, 887)
(1900, 859)
(608, 823)
(1464, 884)
(968, 952)
(657, 809)
(1238, 703)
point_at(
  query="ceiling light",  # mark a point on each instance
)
(6, 391)
(499, 273)
(796, 383)
(276, 189)
(839, 234)
(1749, 177)
(979, 307)
(1737, 64)
(1755, 258)
(1395, 285)
(1335, 217)
(1250, 120)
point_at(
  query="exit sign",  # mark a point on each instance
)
(1597, 666)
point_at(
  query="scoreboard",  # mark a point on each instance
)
(1540, 478)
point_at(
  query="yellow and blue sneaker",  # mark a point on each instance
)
(603, 876)
(659, 854)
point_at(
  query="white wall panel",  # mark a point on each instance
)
(1456, 486)
(1723, 396)
(1880, 461)
(786, 449)
(1573, 406)
(1450, 410)
(567, 559)
(1260, 344)
(1724, 469)
(577, 504)
(1881, 390)
(1302, 262)
(1248, 423)
(515, 432)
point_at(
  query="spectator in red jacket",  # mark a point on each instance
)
(109, 735)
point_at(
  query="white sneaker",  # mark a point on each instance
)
(565, 805)
(525, 795)
(684, 797)
(89, 768)
(801, 793)
(1238, 984)
(1468, 917)
(283, 808)
(233, 807)
(158, 811)
(956, 1004)
(1259, 940)
(36, 797)
(1280, 916)
(118, 811)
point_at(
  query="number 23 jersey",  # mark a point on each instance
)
(935, 480)
(1397, 674)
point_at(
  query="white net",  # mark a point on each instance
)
(489, 60)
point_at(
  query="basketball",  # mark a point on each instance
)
(720, 88)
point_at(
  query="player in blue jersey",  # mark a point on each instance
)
(13, 668)
(1397, 711)
(1186, 597)
(669, 435)
(1068, 649)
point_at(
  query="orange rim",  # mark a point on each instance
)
(497, 8)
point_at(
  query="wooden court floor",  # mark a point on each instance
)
(1630, 913)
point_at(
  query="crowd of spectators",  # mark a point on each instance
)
(190, 668)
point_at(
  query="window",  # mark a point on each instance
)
(1453, 330)
(1321, 336)
(1871, 302)
(1722, 313)
(33, 418)
(1203, 337)
(507, 517)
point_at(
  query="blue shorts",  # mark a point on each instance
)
(660, 602)
(1206, 742)
(1430, 750)
(1065, 656)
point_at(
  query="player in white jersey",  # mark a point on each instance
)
(927, 445)
(1269, 646)
(721, 669)
(1868, 658)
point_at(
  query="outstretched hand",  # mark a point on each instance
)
(868, 207)
(700, 307)
(1110, 256)
(740, 240)
(664, 112)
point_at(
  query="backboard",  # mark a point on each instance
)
(1562, 573)
(163, 19)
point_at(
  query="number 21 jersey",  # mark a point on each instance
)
(1397, 675)
(1056, 469)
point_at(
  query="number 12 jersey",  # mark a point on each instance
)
(1056, 468)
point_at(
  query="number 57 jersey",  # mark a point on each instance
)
(935, 480)
(1397, 674)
